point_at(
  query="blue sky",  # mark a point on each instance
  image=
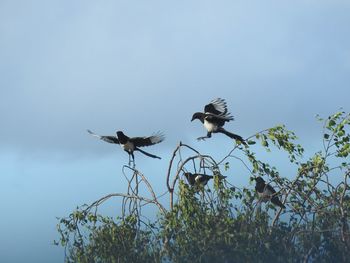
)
(144, 66)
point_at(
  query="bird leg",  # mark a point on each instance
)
(131, 159)
(204, 137)
(129, 163)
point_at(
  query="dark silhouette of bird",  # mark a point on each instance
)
(214, 117)
(199, 179)
(266, 192)
(131, 144)
(195, 178)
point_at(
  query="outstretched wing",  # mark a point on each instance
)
(218, 107)
(147, 141)
(110, 139)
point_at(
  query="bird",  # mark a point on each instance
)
(199, 179)
(266, 192)
(131, 144)
(214, 117)
(195, 178)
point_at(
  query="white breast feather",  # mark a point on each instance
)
(210, 126)
(129, 146)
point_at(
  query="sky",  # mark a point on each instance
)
(144, 66)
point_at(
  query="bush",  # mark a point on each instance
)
(224, 223)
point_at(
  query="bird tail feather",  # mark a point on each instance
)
(232, 135)
(148, 154)
(277, 202)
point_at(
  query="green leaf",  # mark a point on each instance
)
(331, 123)
(227, 166)
(264, 143)
(341, 133)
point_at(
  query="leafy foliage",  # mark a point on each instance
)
(223, 223)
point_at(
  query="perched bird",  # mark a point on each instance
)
(214, 117)
(132, 144)
(202, 179)
(193, 179)
(266, 192)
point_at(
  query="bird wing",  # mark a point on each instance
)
(202, 177)
(217, 118)
(147, 141)
(109, 139)
(190, 178)
(217, 106)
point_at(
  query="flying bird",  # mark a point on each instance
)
(266, 192)
(131, 144)
(214, 117)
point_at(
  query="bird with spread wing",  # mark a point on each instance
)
(214, 117)
(131, 144)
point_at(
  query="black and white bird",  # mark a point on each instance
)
(214, 117)
(131, 144)
(199, 179)
(195, 178)
(267, 193)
